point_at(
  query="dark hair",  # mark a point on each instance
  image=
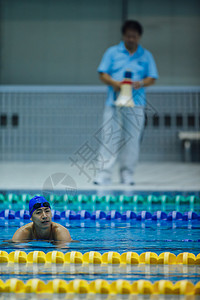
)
(133, 25)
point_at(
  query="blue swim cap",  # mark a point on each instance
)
(35, 200)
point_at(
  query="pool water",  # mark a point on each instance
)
(179, 236)
(104, 236)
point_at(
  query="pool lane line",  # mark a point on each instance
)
(99, 286)
(112, 215)
(94, 257)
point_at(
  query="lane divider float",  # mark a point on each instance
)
(128, 215)
(93, 257)
(99, 286)
(107, 199)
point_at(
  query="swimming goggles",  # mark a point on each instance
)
(38, 205)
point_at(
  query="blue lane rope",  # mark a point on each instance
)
(101, 215)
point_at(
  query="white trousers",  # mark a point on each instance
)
(120, 137)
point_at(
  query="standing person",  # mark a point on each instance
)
(122, 127)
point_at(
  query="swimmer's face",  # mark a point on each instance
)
(131, 38)
(42, 217)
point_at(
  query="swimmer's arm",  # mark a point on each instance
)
(21, 235)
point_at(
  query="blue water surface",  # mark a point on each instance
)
(102, 236)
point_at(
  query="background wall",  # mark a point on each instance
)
(62, 42)
(56, 42)
(172, 31)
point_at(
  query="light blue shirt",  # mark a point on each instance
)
(116, 60)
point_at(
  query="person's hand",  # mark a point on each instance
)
(116, 85)
(137, 84)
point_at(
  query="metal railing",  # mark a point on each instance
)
(52, 122)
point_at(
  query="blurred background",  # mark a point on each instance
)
(62, 42)
(51, 99)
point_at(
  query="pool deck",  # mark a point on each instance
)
(149, 176)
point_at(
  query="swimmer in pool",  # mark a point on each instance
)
(41, 227)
